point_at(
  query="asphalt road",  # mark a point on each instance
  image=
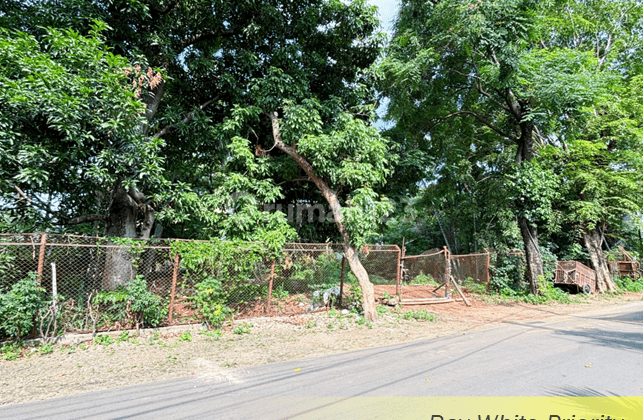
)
(590, 354)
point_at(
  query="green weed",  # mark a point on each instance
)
(186, 336)
(243, 328)
(420, 315)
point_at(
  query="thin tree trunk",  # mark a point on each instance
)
(350, 252)
(593, 241)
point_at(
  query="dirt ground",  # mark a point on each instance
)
(250, 342)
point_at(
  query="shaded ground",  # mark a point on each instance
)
(247, 343)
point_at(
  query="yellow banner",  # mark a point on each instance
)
(460, 408)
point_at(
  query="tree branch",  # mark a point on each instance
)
(479, 118)
(23, 195)
(302, 178)
(211, 34)
(84, 219)
(187, 118)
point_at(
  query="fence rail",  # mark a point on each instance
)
(270, 283)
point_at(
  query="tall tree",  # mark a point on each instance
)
(69, 124)
(601, 173)
(489, 64)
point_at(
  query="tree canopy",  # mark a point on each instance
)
(514, 124)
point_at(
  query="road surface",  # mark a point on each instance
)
(589, 354)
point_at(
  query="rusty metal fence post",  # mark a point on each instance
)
(272, 276)
(175, 275)
(488, 270)
(447, 272)
(398, 279)
(341, 281)
(41, 256)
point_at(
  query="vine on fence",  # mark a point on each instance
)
(223, 274)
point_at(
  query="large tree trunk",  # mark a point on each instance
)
(528, 231)
(533, 257)
(593, 241)
(121, 223)
(350, 252)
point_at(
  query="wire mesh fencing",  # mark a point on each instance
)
(424, 275)
(92, 276)
(471, 268)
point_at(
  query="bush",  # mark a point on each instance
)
(133, 301)
(424, 279)
(473, 287)
(210, 301)
(20, 306)
(508, 272)
(626, 284)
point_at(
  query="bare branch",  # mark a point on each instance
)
(23, 195)
(479, 118)
(84, 219)
(187, 118)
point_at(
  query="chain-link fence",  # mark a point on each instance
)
(91, 275)
(95, 278)
(424, 275)
(471, 267)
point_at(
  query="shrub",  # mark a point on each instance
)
(132, 301)
(20, 306)
(508, 272)
(210, 301)
(424, 279)
(147, 307)
(626, 284)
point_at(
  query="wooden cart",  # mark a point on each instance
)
(575, 276)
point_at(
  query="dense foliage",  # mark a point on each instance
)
(514, 124)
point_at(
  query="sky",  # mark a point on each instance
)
(388, 10)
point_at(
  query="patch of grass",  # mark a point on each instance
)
(68, 349)
(382, 310)
(154, 338)
(186, 336)
(424, 279)
(11, 351)
(46, 349)
(310, 324)
(420, 315)
(243, 328)
(124, 337)
(216, 334)
(473, 287)
(104, 340)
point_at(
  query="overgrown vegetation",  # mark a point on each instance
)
(23, 308)
(130, 305)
